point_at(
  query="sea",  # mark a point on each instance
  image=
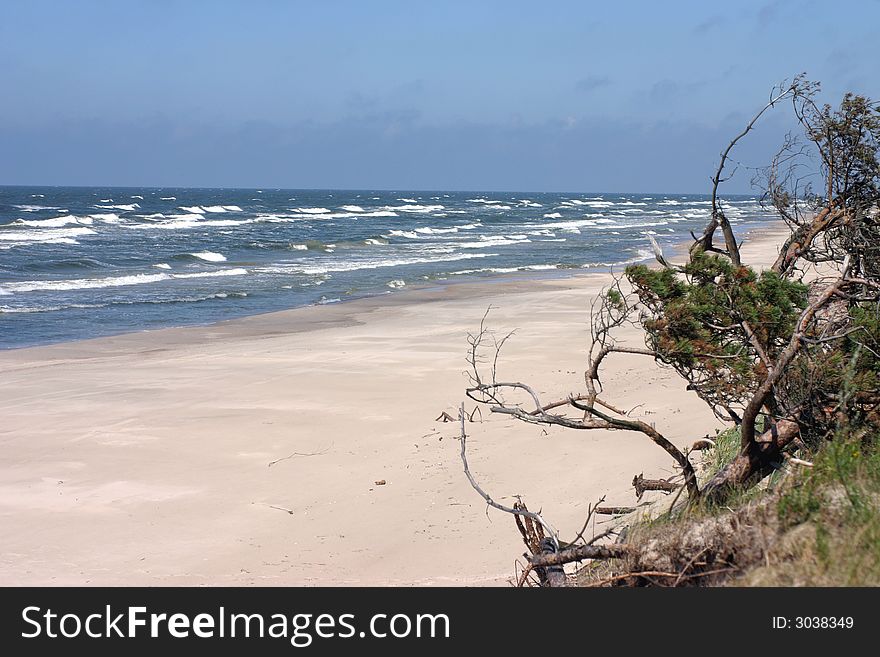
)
(82, 262)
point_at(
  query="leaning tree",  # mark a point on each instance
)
(789, 354)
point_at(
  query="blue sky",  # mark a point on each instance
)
(528, 96)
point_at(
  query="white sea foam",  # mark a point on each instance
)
(374, 242)
(185, 221)
(106, 217)
(409, 234)
(355, 265)
(486, 242)
(138, 197)
(311, 210)
(238, 271)
(352, 208)
(380, 213)
(131, 207)
(436, 231)
(209, 256)
(232, 208)
(214, 208)
(56, 222)
(570, 224)
(397, 283)
(299, 247)
(86, 283)
(645, 225)
(553, 215)
(418, 209)
(36, 208)
(162, 265)
(168, 198)
(112, 281)
(47, 235)
(408, 200)
(504, 270)
(192, 209)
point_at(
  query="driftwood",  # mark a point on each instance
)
(641, 485)
(581, 552)
(614, 510)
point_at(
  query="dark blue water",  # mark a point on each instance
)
(83, 262)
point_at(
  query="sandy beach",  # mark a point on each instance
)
(248, 452)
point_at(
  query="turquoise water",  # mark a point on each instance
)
(85, 262)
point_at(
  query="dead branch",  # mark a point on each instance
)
(580, 553)
(295, 454)
(553, 534)
(614, 510)
(718, 217)
(642, 485)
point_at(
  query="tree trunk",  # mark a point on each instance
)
(757, 460)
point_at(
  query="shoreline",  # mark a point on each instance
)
(249, 451)
(418, 292)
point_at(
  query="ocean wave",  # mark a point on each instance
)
(86, 283)
(5, 309)
(571, 224)
(37, 208)
(47, 235)
(111, 281)
(436, 231)
(311, 210)
(131, 207)
(502, 240)
(645, 225)
(409, 234)
(168, 198)
(192, 209)
(351, 208)
(209, 256)
(56, 222)
(396, 284)
(238, 271)
(419, 209)
(186, 221)
(354, 265)
(106, 217)
(505, 270)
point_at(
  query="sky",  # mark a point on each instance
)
(637, 96)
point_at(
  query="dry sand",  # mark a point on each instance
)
(144, 459)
